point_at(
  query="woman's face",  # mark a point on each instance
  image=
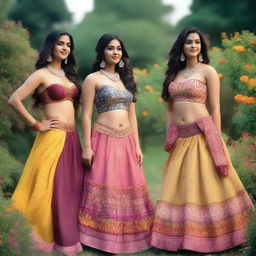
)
(62, 48)
(113, 52)
(192, 45)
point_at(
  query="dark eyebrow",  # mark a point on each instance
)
(60, 41)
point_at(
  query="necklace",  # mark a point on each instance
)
(59, 73)
(188, 73)
(114, 77)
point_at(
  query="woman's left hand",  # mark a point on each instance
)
(139, 156)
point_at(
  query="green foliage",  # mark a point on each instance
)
(40, 17)
(10, 170)
(252, 236)
(16, 61)
(142, 29)
(214, 17)
(14, 232)
(150, 107)
(4, 10)
(243, 154)
(236, 62)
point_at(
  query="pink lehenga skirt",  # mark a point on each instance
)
(116, 211)
(199, 209)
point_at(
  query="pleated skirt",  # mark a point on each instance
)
(116, 211)
(49, 191)
(198, 209)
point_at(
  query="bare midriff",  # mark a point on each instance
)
(63, 110)
(116, 119)
(186, 112)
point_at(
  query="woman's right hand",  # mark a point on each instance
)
(87, 156)
(49, 124)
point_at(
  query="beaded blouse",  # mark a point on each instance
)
(192, 90)
(56, 93)
(108, 98)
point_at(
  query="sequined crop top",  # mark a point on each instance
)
(192, 90)
(108, 98)
(56, 92)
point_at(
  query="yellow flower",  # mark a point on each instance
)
(222, 60)
(248, 66)
(215, 49)
(220, 75)
(156, 65)
(238, 48)
(145, 113)
(160, 99)
(143, 71)
(244, 79)
(148, 88)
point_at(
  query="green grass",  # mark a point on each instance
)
(154, 158)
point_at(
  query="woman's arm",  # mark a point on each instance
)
(134, 125)
(29, 86)
(88, 94)
(213, 84)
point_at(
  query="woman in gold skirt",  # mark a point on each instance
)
(203, 205)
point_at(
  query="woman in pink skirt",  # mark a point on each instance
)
(116, 211)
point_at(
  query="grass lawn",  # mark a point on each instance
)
(154, 158)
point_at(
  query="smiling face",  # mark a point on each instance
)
(192, 45)
(113, 52)
(62, 48)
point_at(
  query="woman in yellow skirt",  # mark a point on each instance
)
(203, 205)
(49, 191)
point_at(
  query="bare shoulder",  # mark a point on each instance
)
(208, 70)
(90, 80)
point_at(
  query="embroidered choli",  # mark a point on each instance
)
(109, 98)
(192, 90)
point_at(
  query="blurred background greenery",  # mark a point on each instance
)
(229, 27)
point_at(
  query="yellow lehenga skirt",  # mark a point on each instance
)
(49, 191)
(199, 209)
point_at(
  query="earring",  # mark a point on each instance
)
(200, 57)
(66, 61)
(103, 64)
(49, 58)
(182, 57)
(121, 64)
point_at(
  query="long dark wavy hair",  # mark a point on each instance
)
(126, 72)
(47, 50)
(174, 64)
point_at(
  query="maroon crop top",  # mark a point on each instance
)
(56, 92)
(192, 90)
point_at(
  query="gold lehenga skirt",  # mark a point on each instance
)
(198, 209)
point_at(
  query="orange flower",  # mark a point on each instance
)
(253, 42)
(148, 88)
(224, 35)
(250, 100)
(160, 99)
(244, 79)
(248, 66)
(222, 60)
(252, 82)
(239, 48)
(238, 98)
(145, 113)
(237, 36)
(220, 75)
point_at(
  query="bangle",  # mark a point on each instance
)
(36, 126)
